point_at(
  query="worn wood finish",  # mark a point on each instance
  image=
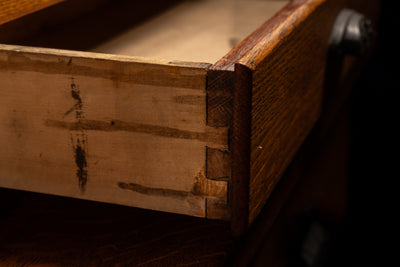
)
(284, 63)
(301, 41)
(161, 134)
(229, 92)
(282, 123)
(35, 69)
(285, 110)
(108, 128)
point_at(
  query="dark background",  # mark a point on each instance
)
(369, 237)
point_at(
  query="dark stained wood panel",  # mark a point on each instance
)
(316, 191)
(288, 65)
(288, 76)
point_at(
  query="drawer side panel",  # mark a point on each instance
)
(109, 129)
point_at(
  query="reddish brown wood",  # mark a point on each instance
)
(229, 60)
(289, 72)
(229, 96)
(287, 59)
(287, 96)
(284, 99)
(268, 90)
(240, 149)
(14, 9)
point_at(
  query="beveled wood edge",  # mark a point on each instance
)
(228, 62)
(103, 56)
(256, 48)
(269, 42)
(242, 61)
(231, 84)
(240, 149)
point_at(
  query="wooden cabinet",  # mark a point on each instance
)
(88, 111)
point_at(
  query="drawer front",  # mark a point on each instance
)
(271, 88)
(286, 71)
(289, 88)
(108, 128)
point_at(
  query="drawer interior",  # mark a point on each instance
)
(200, 31)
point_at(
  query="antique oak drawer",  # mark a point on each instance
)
(88, 111)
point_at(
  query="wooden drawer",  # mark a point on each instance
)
(109, 122)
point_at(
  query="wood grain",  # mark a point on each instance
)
(108, 128)
(227, 62)
(286, 58)
(226, 86)
(191, 127)
(158, 29)
(287, 97)
(14, 9)
(301, 41)
(75, 232)
(200, 31)
(53, 231)
(240, 149)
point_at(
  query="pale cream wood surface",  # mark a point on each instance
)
(121, 129)
(202, 31)
(108, 128)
